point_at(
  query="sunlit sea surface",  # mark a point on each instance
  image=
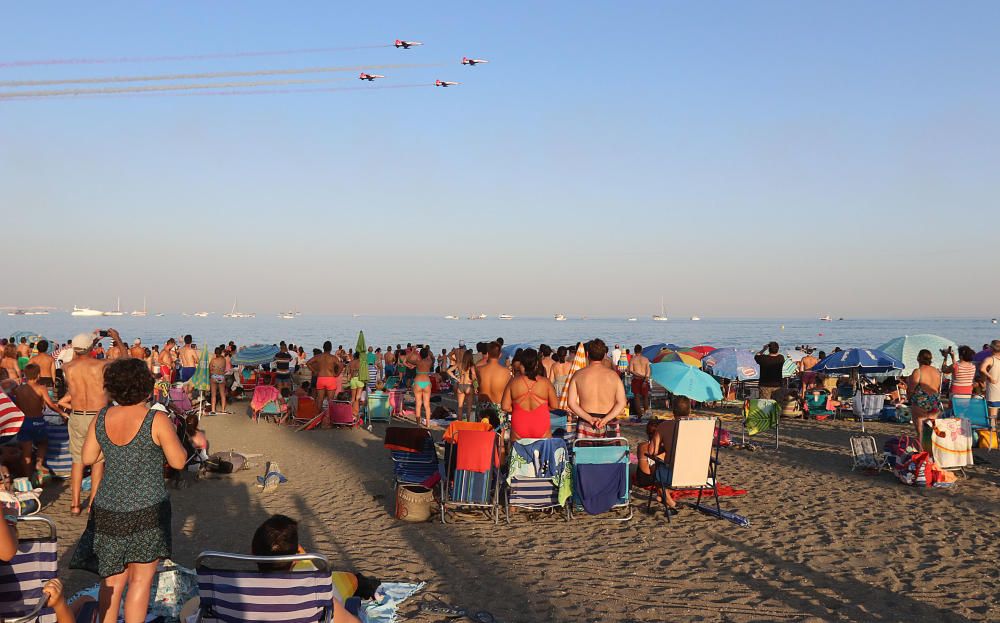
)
(311, 331)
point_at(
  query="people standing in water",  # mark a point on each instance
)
(129, 527)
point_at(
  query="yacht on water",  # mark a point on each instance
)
(479, 317)
(37, 312)
(140, 312)
(117, 311)
(237, 314)
(451, 317)
(288, 315)
(632, 320)
(505, 317)
(85, 311)
(662, 316)
(559, 317)
(695, 318)
(201, 314)
(826, 318)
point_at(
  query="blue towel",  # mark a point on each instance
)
(601, 486)
(547, 465)
(387, 600)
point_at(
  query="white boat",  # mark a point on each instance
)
(17, 312)
(200, 314)
(479, 317)
(505, 317)
(159, 315)
(37, 312)
(117, 310)
(141, 312)
(662, 316)
(826, 319)
(695, 318)
(237, 314)
(289, 315)
(994, 321)
(559, 317)
(451, 317)
(85, 311)
(632, 319)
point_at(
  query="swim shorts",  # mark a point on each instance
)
(34, 429)
(185, 375)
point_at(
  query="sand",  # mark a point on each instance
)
(825, 544)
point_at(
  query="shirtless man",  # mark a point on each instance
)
(639, 368)
(390, 362)
(46, 364)
(189, 360)
(166, 360)
(85, 397)
(596, 395)
(23, 349)
(137, 351)
(493, 379)
(327, 368)
(116, 351)
(31, 398)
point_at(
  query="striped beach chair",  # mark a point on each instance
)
(532, 479)
(472, 489)
(235, 596)
(412, 467)
(11, 419)
(57, 456)
(22, 579)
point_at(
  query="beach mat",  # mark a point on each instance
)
(724, 491)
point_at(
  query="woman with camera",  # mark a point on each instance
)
(962, 370)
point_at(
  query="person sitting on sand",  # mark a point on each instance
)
(493, 379)
(658, 444)
(528, 397)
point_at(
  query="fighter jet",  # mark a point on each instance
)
(369, 77)
(472, 61)
(442, 83)
(406, 44)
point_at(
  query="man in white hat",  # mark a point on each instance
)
(85, 397)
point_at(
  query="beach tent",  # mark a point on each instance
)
(255, 355)
(731, 363)
(684, 380)
(905, 348)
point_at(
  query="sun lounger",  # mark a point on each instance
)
(538, 476)
(474, 484)
(22, 579)
(692, 459)
(601, 477)
(234, 596)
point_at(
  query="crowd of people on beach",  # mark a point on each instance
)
(104, 391)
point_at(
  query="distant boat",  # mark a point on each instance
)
(143, 311)
(200, 314)
(451, 317)
(662, 316)
(479, 317)
(355, 315)
(85, 311)
(17, 312)
(695, 318)
(37, 312)
(826, 318)
(994, 321)
(159, 315)
(633, 320)
(559, 317)
(505, 317)
(289, 315)
(117, 311)
(237, 314)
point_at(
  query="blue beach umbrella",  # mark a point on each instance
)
(731, 363)
(906, 347)
(652, 351)
(255, 355)
(508, 350)
(862, 360)
(683, 380)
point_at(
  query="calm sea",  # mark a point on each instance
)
(311, 331)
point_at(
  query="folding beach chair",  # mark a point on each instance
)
(759, 416)
(396, 399)
(865, 453)
(475, 481)
(866, 406)
(179, 400)
(692, 460)
(57, 455)
(11, 419)
(558, 420)
(235, 596)
(975, 411)
(414, 458)
(267, 402)
(22, 579)
(377, 409)
(817, 403)
(339, 413)
(601, 458)
(535, 470)
(951, 443)
(307, 415)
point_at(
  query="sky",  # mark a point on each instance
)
(735, 158)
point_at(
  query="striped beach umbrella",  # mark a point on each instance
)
(255, 355)
(672, 356)
(579, 362)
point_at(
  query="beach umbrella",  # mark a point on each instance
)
(360, 347)
(690, 352)
(652, 351)
(255, 355)
(905, 348)
(579, 362)
(683, 380)
(703, 349)
(789, 369)
(982, 355)
(671, 356)
(622, 363)
(862, 360)
(200, 380)
(731, 363)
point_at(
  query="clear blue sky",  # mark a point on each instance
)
(737, 158)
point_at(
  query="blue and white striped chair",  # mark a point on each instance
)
(57, 456)
(22, 579)
(277, 597)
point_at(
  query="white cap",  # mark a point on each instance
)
(83, 341)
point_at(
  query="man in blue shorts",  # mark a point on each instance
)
(31, 398)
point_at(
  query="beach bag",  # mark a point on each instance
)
(226, 462)
(901, 446)
(925, 473)
(722, 438)
(988, 439)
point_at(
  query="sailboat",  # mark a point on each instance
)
(143, 311)
(237, 314)
(85, 311)
(118, 309)
(662, 316)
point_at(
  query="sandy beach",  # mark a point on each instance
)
(825, 543)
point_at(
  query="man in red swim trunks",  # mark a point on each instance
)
(327, 368)
(639, 368)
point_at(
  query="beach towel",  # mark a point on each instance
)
(724, 491)
(405, 439)
(761, 415)
(263, 394)
(601, 486)
(951, 443)
(544, 458)
(173, 585)
(475, 448)
(11, 417)
(388, 598)
(451, 433)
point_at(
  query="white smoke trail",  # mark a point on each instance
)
(183, 57)
(160, 87)
(129, 93)
(213, 74)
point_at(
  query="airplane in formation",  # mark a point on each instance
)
(369, 77)
(444, 83)
(406, 45)
(472, 61)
